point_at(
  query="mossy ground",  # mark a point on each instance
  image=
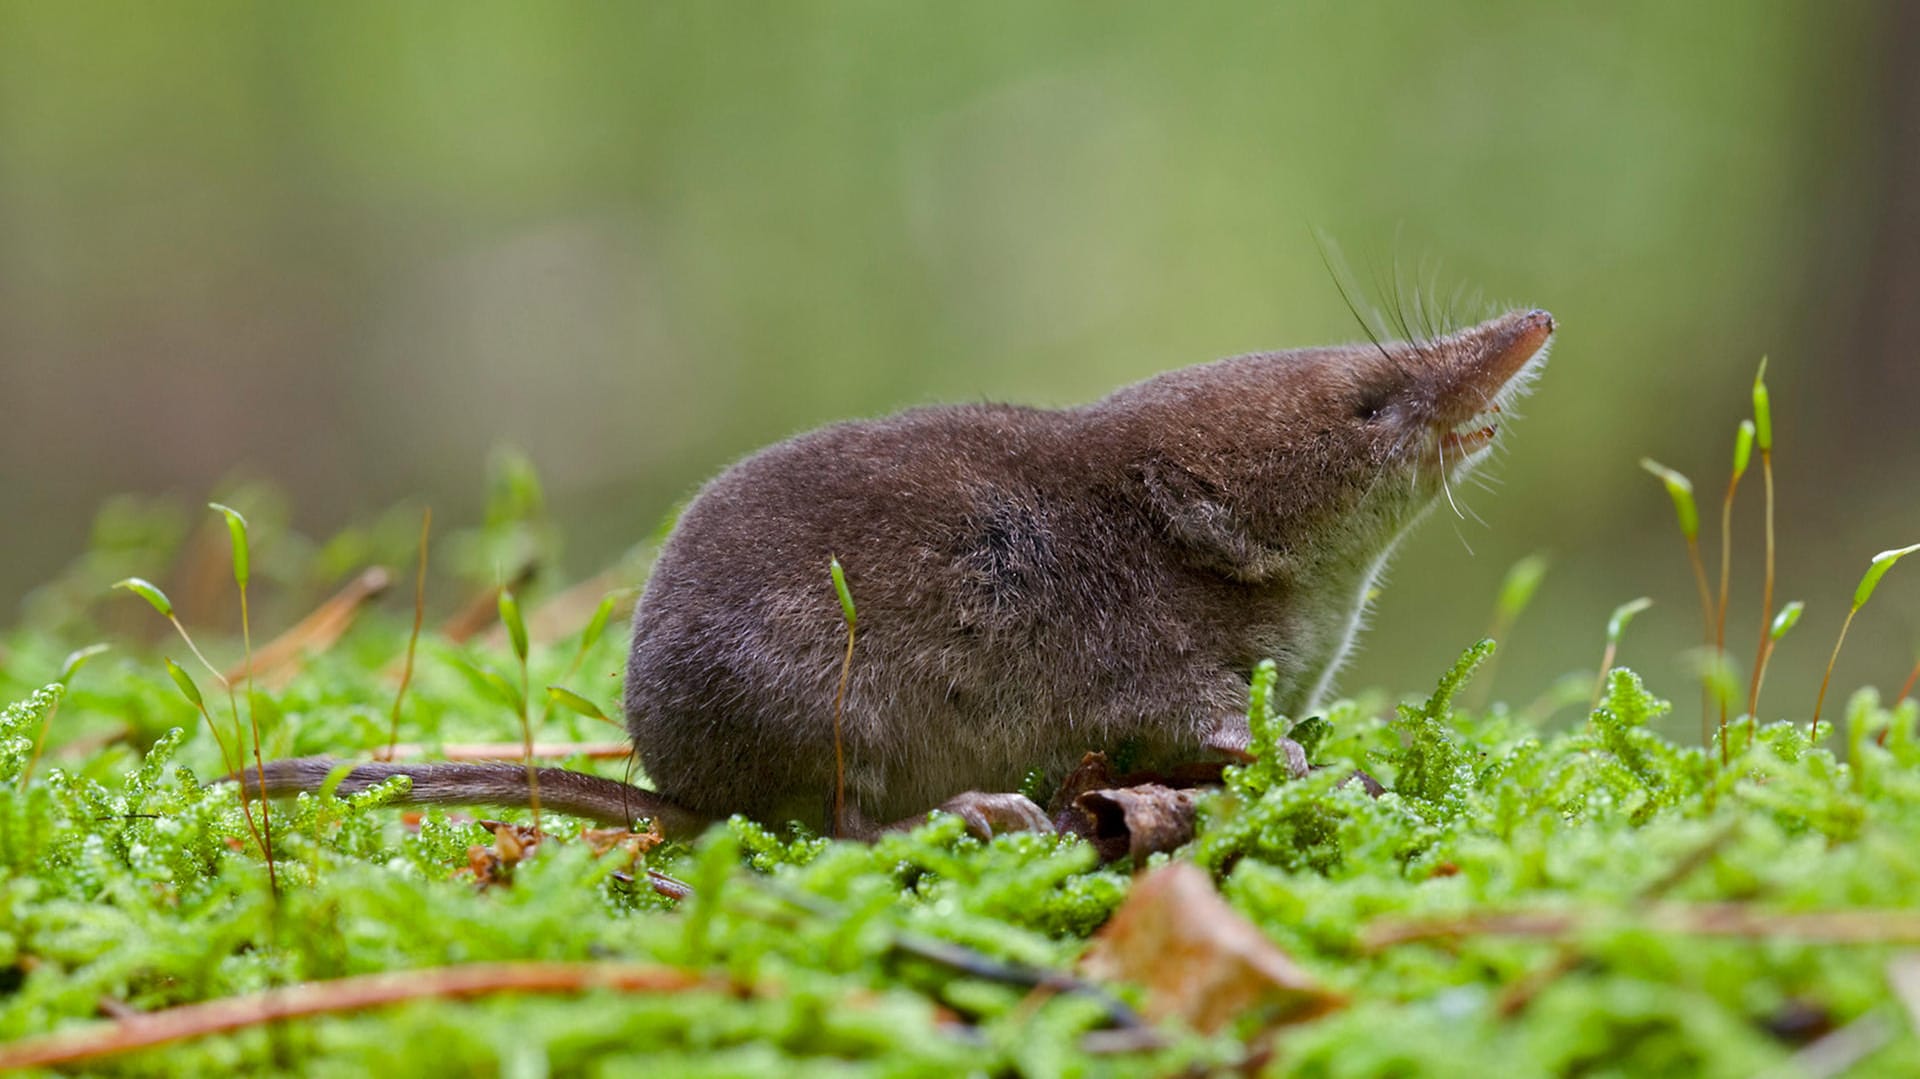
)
(1671, 894)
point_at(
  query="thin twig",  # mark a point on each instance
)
(508, 751)
(973, 964)
(1858, 926)
(1835, 1053)
(342, 995)
(986, 968)
(662, 885)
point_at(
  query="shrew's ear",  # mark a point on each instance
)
(1196, 515)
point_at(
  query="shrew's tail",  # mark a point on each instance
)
(607, 801)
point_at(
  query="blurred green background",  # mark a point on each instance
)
(349, 248)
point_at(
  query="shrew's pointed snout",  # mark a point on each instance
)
(1508, 342)
(1532, 328)
(1487, 358)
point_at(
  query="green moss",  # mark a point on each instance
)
(125, 876)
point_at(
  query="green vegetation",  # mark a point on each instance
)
(1601, 900)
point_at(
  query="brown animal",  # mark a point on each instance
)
(1031, 584)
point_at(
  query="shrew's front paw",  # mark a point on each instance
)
(990, 814)
(1235, 742)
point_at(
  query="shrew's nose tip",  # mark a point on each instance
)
(1521, 334)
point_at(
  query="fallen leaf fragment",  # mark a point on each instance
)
(483, 609)
(1137, 821)
(1139, 813)
(1199, 960)
(492, 863)
(512, 849)
(1094, 773)
(603, 841)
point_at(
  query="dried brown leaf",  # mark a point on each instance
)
(483, 609)
(276, 662)
(1110, 811)
(1199, 960)
(1136, 821)
(1094, 773)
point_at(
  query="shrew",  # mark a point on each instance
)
(1032, 584)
